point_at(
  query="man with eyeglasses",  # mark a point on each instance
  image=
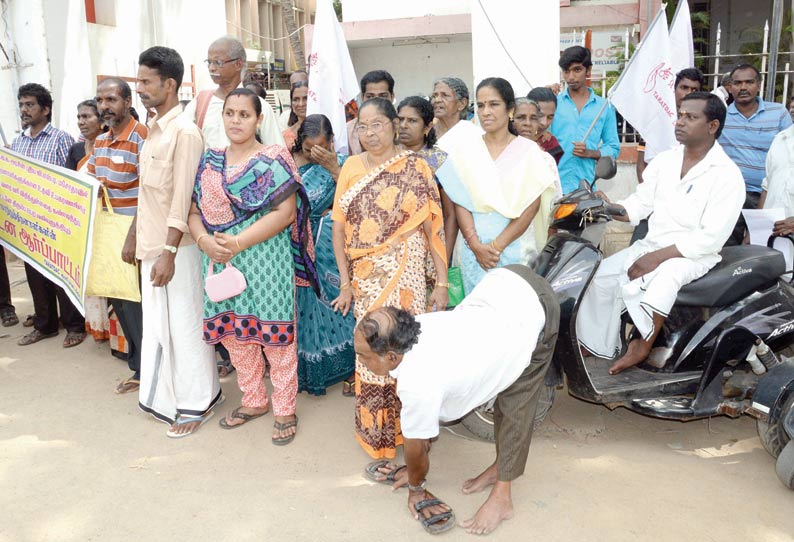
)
(374, 84)
(577, 107)
(226, 61)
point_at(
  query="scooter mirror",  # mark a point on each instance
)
(606, 168)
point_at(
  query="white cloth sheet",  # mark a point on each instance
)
(467, 356)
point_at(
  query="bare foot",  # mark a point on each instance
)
(484, 479)
(232, 421)
(637, 352)
(497, 508)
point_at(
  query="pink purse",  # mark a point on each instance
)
(228, 283)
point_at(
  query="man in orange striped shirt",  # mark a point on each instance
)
(114, 163)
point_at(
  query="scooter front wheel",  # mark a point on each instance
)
(480, 420)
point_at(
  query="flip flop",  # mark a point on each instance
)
(349, 388)
(236, 414)
(73, 338)
(282, 441)
(34, 337)
(128, 385)
(184, 420)
(225, 368)
(433, 524)
(372, 472)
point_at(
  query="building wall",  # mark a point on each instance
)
(415, 67)
(259, 24)
(368, 10)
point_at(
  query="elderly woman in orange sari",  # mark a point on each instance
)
(389, 246)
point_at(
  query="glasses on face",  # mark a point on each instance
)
(376, 127)
(218, 63)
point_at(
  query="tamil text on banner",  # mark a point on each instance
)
(682, 47)
(47, 219)
(644, 92)
(332, 80)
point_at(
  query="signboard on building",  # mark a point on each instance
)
(606, 46)
(278, 65)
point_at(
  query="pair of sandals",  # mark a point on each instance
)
(279, 426)
(435, 524)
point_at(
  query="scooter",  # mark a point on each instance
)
(724, 349)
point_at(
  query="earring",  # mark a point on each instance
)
(510, 117)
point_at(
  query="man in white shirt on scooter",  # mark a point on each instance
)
(693, 194)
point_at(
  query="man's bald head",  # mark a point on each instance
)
(233, 47)
(389, 329)
(297, 76)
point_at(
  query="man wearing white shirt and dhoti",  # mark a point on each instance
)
(777, 189)
(226, 61)
(179, 383)
(512, 318)
(693, 195)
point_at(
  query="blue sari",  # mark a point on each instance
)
(325, 340)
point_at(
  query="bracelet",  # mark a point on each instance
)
(200, 237)
(237, 241)
(442, 285)
(497, 249)
(345, 286)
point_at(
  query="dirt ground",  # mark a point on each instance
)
(79, 463)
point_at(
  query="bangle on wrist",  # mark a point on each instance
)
(200, 237)
(237, 242)
(442, 285)
(495, 247)
(345, 286)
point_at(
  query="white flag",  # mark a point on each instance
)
(682, 47)
(644, 92)
(332, 80)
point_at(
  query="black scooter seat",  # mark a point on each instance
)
(742, 270)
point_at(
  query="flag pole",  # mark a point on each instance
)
(607, 100)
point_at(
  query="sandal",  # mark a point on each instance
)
(349, 388)
(29, 320)
(9, 318)
(282, 441)
(34, 337)
(128, 385)
(225, 367)
(237, 415)
(73, 338)
(372, 471)
(433, 524)
(184, 420)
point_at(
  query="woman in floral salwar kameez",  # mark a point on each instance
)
(251, 210)
(388, 239)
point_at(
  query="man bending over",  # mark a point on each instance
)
(513, 316)
(693, 195)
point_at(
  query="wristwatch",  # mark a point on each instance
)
(170, 249)
(420, 487)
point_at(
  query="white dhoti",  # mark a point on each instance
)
(178, 373)
(611, 292)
